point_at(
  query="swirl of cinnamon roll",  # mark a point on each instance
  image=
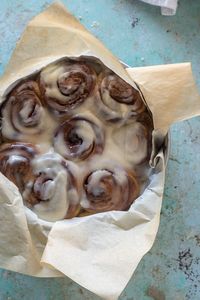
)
(79, 137)
(22, 113)
(117, 99)
(134, 138)
(65, 85)
(109, 189)
(15, 162)
(53, 191)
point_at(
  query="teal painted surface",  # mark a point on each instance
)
(138, 35)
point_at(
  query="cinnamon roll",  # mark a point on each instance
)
(53, 191)
(109, 189)
(22, 113)
(134, 139)
(78, 138)
(117, 99)
(67, 84)
(15, 162)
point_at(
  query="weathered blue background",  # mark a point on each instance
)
(138, 35)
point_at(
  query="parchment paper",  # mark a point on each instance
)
(100, 252)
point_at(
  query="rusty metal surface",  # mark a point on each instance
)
(139, 36)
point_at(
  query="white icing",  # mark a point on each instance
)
(133, 142)
(50, 162)
(110, 106)
(44, 139)
(84, 131)
(60, 145)
(97, 191)
(15, 158)
(95, 178)
(23, 132)
(84, 202)
(111, 103)
(89, 130)
(54, 191)
(50, 76)
(56, 207)
(73, 196)
(26, 110)
(120, 175)
(47, 189)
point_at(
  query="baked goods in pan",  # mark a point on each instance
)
(76, 140)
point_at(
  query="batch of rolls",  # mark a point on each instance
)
(75, 140)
